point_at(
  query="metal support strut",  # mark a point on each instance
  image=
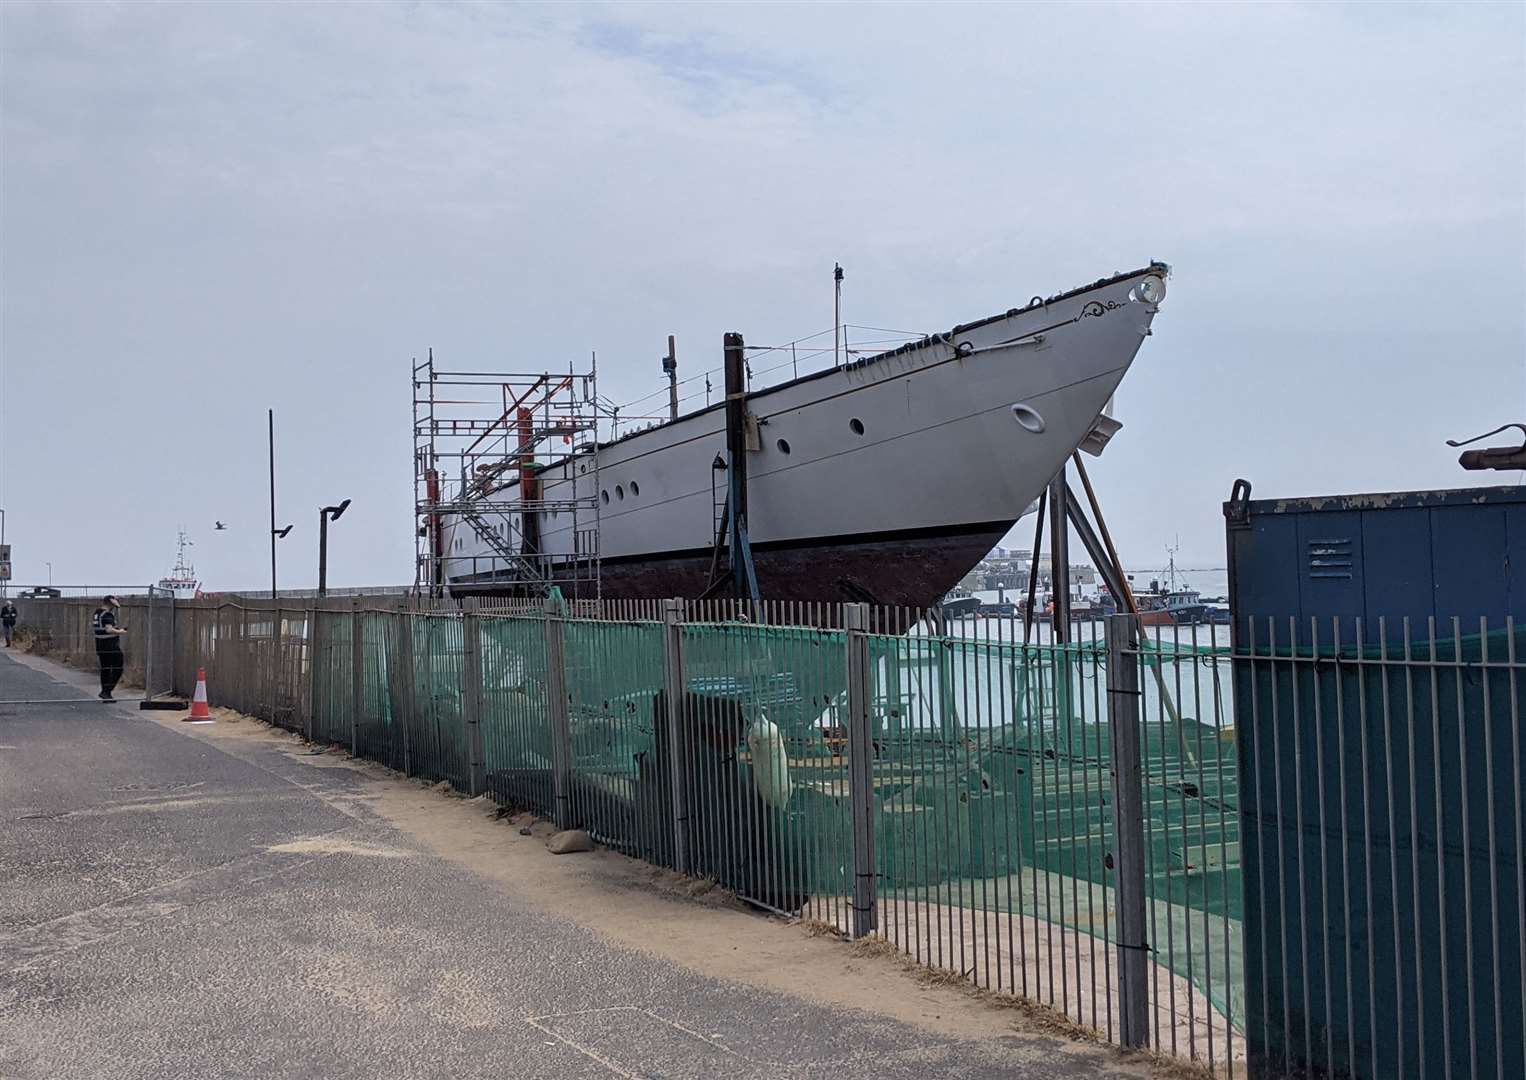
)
(732, 531)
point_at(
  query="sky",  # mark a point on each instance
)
(208, 210)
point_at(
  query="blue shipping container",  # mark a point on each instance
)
(1380, 778)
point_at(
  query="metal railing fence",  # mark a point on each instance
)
(1299, 855)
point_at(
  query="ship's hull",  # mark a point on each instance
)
(899, 570)
(885, 481)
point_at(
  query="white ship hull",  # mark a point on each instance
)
(885, 481)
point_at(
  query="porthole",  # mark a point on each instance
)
(856, 425)
(635, 489)
(605, 496)
(619, 492)
(783, 445)
(1028, 418)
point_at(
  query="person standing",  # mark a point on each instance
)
(108, 645)
(8, 620)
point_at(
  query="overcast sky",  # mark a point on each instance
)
(211, 209)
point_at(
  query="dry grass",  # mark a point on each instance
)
(1039, 1016)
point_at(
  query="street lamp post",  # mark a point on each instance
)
(325, 515)
(275, 533)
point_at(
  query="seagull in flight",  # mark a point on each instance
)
(219, 526)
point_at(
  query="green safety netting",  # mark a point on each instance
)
(991, 762)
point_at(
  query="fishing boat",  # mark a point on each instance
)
(181, 581)
(1170, 602)
(960, 604)
(882, 479)
(1181, 607)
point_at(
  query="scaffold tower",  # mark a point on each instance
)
(498, 455)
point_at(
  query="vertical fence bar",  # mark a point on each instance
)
(1123, 703)
(405, 711)
(314, 660)
(278, 690)
(357, 675)
(860, 769)
(471, 701)
(561, 729)
(672, 619)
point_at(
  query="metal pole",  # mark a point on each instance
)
(673, 687)
(1029, 614)
(323, 551)
(404, 681)
(1123, 707)
(277, 668)
(271, 418)
(471, 701)
(315, 661)
(860, 769)
(357, 676)
(1059, 556)
(561, 730)
(670, 365)
(837, 315)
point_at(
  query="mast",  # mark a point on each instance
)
(837, 315)
(670, 365)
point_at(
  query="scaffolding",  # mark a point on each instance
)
(506, 482)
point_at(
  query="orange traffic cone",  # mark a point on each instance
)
(199, 709)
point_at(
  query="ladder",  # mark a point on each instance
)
(521, 567)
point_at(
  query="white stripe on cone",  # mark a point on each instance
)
(199, 710)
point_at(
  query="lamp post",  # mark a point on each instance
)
(325, 515)
(275, 533)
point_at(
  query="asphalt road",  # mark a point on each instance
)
(170, 908)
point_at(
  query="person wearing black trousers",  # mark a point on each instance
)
(108, 645)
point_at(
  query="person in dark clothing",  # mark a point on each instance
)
(8, 621)
(108, 645)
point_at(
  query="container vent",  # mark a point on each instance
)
(1330, 558)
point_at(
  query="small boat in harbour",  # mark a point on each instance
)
(960, 604)
(1181, 607)
(181, 581)
(1169, 602)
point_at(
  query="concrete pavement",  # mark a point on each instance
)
(191, 902)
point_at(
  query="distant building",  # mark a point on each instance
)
(1004, 569)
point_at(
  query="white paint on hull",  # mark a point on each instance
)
(940, 446)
